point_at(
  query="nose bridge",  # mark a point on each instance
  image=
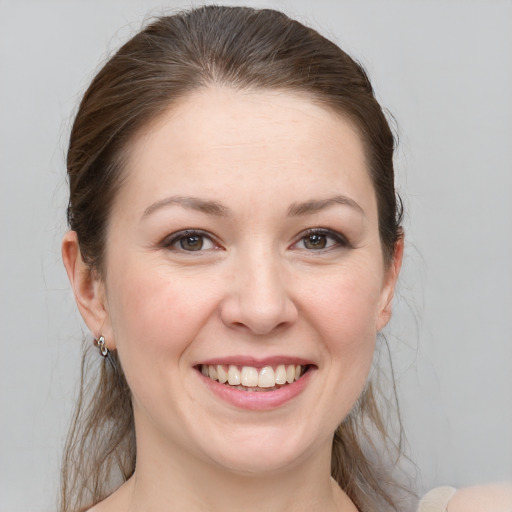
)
(259, 298)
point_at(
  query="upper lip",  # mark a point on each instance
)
(256, 362)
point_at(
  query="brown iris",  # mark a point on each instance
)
(191, 243)
(315, 241)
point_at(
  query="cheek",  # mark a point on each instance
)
(346, 306)
(155, 320)
(157, 313)
(345, 315)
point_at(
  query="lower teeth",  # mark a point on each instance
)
(254, 389)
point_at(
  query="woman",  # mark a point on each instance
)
(234, 247)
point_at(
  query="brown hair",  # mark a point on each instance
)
(240, 48)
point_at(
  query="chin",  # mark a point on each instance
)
(258, 462)
(262, 451)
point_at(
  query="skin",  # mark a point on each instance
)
(495, 497)
(482, 498)
(256, 289)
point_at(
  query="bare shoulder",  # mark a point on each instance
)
(482, 498)
(117, 502)
(479, 498)
(102, 506)
(99, 507)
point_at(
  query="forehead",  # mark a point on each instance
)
(218, 140)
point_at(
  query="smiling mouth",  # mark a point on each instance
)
(251, 379)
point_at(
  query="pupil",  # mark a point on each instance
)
(315, 242)
(192, 243)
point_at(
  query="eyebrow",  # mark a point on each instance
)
(315, 205)
(217, 209)
(190, 203)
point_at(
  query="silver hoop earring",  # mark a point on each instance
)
(100, 342)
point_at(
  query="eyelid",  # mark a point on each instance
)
(341, 240)
(173, 238)
(170, 240)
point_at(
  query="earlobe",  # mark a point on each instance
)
(388, 290)
(88, 288)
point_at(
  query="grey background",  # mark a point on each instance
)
(443, 68)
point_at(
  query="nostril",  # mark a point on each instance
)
(259, 328)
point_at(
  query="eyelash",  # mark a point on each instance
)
(171, 241)
(175, 238)
(338, 238)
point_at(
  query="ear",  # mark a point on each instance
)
(390, 279)
(88, 288)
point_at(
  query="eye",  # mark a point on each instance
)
(189, 241)
(321, 239)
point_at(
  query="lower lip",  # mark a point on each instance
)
(258, 400)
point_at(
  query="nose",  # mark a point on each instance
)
(258, 299)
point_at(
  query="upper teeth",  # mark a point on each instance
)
(266, 377)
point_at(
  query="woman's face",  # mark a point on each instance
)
(245, 242)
